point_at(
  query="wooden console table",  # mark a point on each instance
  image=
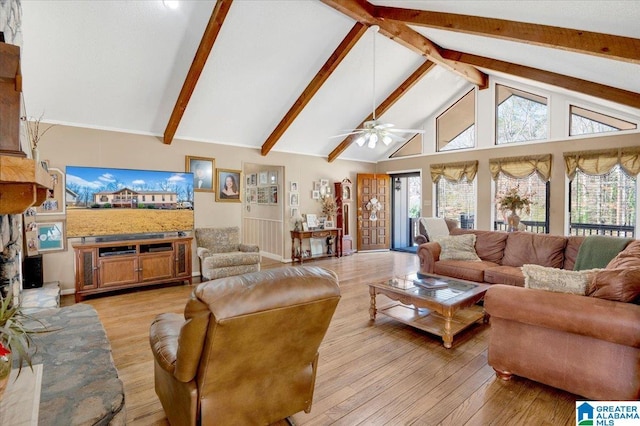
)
(298, 255)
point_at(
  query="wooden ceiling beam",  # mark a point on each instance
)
(316, 83)
(601, 91)
(609, 46)
(420, 72)
(362, 11)
(199, 61)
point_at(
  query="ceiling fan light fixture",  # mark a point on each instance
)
(386, 139)
(373, 139)
(360, 140)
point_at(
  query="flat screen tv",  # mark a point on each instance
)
(104, 202)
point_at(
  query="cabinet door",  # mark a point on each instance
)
(157, 266)
(86, 269)
(118, 271)
(182, 253)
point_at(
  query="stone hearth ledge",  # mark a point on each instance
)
(80, 384)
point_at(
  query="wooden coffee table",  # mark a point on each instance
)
(441, 311)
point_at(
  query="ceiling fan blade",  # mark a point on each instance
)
(383, 125)
(406, 130)
(341, 135)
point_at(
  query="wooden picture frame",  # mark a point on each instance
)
(51, 236)
(202, 169)
(55, 202)
(229, 185)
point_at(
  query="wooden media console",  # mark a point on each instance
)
(107, 266)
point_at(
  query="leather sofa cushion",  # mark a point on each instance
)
(463, 269)
(526, 247)
(489, 244)
(620, 281)
(571, 251)
(510, 275)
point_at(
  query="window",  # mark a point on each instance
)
(520, 116)
(604, 205)
(538, 189)
(603, 191)
(457, 200)
(456, 191)
(455, 127)
(585, 122)
(412, 147)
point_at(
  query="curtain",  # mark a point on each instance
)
(454, 172)
(521, 167)
(601, 162)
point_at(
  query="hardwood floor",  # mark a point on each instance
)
(382, 373)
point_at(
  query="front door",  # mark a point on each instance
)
(374, 201)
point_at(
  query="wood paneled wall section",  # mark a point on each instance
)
(268, 234)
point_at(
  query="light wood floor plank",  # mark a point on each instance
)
(380, 372)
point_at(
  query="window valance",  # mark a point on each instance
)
(454, 172)
(600, 162)
(521, 167)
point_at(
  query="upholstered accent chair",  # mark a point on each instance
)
(246, 349)
(220, 253)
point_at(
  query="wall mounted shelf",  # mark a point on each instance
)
(23, 184)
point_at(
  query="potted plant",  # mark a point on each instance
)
(15, 339)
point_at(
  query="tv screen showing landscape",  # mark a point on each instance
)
(104, 201)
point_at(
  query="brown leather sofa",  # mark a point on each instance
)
(502, 254)
(246, 349)
(588, 345)
(585, 345)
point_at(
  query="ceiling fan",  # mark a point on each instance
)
(375, 130)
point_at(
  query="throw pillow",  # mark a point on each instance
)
(434, 227)
(458, 247)
(558, 280)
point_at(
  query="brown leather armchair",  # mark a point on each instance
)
(246, 350)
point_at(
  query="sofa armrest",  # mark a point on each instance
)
(203, 252)
(420, 239)
(428, 254)
(616, 322)
(248, 248)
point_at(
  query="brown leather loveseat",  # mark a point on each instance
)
(246, 349)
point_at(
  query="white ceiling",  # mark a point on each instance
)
(119, 65)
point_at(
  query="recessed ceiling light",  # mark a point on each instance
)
(171, 4)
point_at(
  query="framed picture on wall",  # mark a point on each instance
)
(228, 185)
(54, 204)
(263, 178)
(50, 236)
(202, 169)
(294, 199)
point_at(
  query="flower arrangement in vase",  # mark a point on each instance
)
(511, 200)
(33, 133)
(329, 206)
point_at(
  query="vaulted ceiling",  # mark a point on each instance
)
(287, 75)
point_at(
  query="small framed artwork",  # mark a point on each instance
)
(228, 185)
(293, 186)
(294, 212)
(312, 220)
(329, 224)
(316, 186)
(324, 182)
(263, 178)
(273, 177)
(273, 194)
(202, 169)
(315, 194)
(294, 199)
(253, 178)
(253, 195)
(50, 236)
(54, 204)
